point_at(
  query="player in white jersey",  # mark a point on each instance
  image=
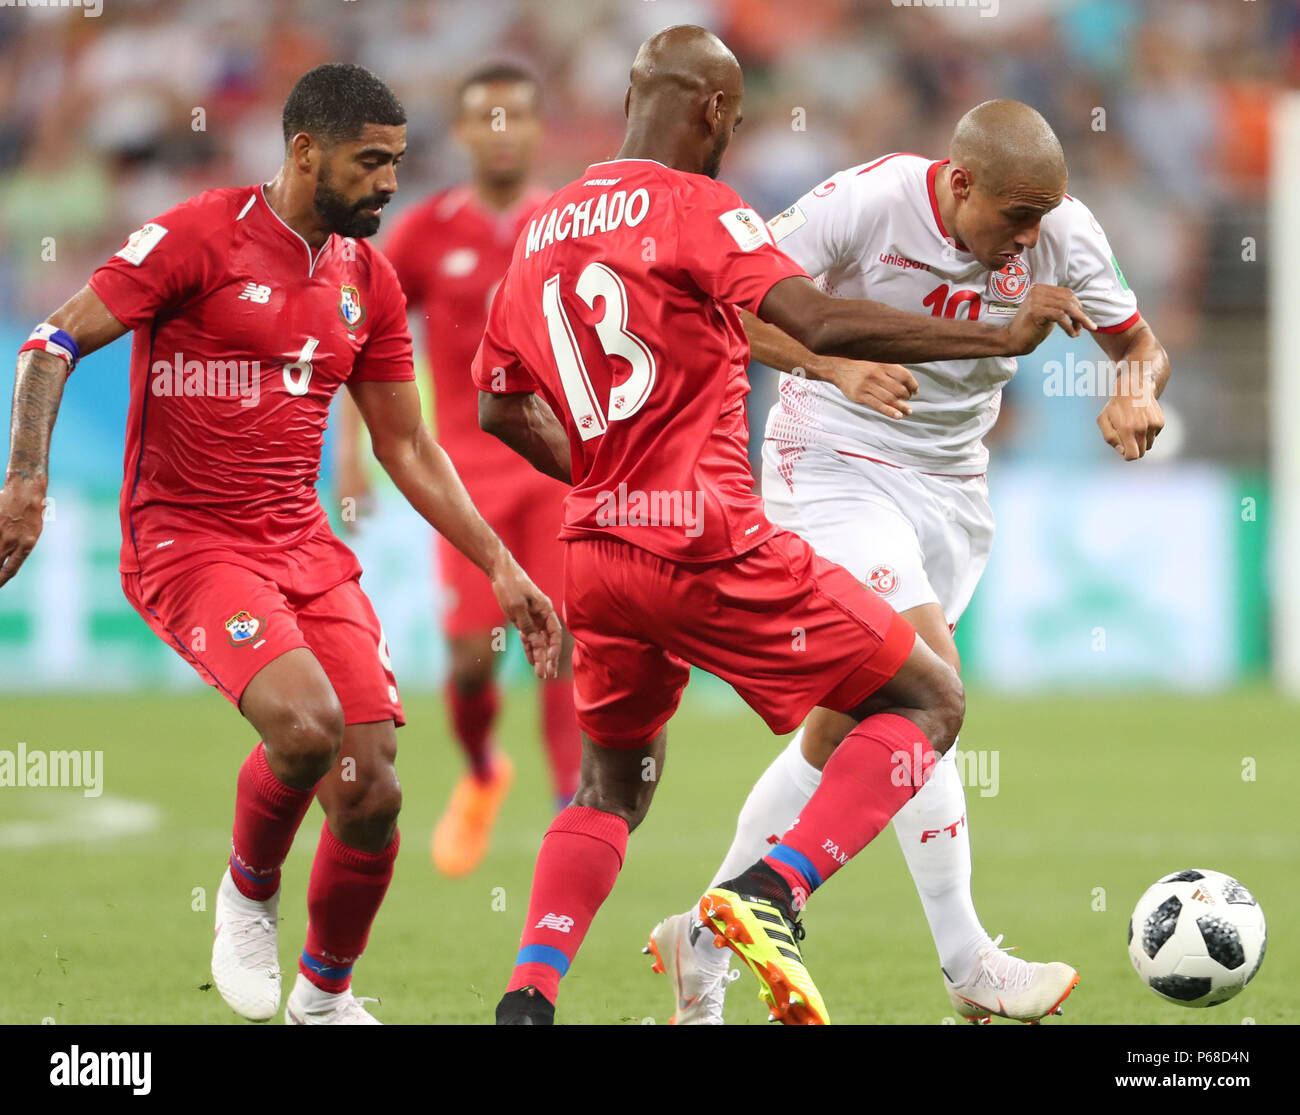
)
(897, 493)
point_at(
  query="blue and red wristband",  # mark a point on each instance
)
(46, 338)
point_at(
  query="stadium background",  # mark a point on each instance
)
(1126, 605)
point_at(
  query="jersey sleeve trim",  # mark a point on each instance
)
(1127, 323)
(885, 159)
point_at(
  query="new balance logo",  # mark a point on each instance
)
(256, 292)
(561, 923)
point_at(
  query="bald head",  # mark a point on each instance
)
(1004, 143)
(686, 88)
(1005, 173)
(685, 59)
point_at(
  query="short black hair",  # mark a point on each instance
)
(501, 72)
(334, 102)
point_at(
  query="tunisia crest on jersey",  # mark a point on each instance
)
(883, 580)
(1010, 285)
(350, 308)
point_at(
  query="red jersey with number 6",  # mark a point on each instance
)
(620, 309)
(242, 337)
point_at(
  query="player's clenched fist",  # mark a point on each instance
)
(1045, 306)
(1132, 419)
(885, 388)
(22, 509)
(529, 609)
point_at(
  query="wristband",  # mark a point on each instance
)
(46, 338)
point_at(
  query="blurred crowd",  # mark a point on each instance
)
(1163, 108)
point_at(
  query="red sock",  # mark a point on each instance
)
(267, 815)
(560, 733)
(870, 777)
(472, 715)
(343, 898)
(581, 855)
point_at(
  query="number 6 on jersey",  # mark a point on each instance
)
(626, 398)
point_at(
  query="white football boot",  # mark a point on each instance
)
(308, 1005)
(245, 961)
(1010, 987)
(699, 988)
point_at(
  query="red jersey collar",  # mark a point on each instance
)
(930, 176)
(287, 233)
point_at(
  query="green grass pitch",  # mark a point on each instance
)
(1097, 797)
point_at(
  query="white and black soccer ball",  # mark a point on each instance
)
(1197, 937)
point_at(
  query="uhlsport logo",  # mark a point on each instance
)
(350, 308)
(1011, 284)
(883, 580)
(242, 628)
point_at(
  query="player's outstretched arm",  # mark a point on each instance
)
(524, 422)
(85, 322)
(867, 330)
(425, 475)
(885, 388)
(1132, 417)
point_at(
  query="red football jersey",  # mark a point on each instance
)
(620, 309)
(450, 252)
(242, 337)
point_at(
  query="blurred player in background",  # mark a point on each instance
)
(450, 252)
(900, 499)
(250, 308)
(615, 359)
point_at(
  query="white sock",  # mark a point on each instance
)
(931, 829)
(778, 797)
(310, 997)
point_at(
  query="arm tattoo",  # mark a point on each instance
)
(38, 390)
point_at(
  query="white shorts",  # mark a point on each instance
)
(914, 537)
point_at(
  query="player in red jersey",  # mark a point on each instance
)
(450, 252)
(250, 308)
(615, 359)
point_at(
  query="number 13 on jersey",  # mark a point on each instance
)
(626, 398)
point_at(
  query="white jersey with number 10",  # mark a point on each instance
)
(874, 231)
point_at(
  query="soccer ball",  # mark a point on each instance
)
(1197, 937)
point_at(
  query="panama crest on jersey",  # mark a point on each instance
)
(242, 628)
(1008, 287)
(350, 308)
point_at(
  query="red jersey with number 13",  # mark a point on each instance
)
(620, 309)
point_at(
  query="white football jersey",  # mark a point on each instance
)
(874, 231)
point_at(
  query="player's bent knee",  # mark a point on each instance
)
(304, 737)
(471, 678)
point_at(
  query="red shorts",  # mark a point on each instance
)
(231, 615)
(787, 628)
(526, 511)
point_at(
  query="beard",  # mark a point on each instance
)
(342, 216)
